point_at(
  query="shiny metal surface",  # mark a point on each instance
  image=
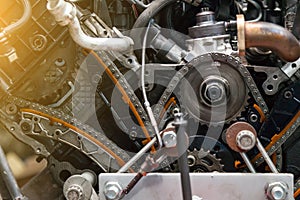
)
(209, 186)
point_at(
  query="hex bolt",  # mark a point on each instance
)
(245, 140)
(214, 92)
(169, 139)
(277, 191)
(112, 190)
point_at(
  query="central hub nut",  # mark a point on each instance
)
(214, 92)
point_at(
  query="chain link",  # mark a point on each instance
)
(129, 91)
(39, 120)
(215, 57)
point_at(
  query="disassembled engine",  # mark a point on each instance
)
(120, 96)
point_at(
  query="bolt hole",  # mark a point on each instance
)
(294, 65)
(253, 118)
(35, 119)
(270, 87)
(130, 61)
(38, 150)
(288, 94)
(217, 148)
(275, 77)
(57, 132)
(64, 175)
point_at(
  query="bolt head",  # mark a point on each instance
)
(112, 190)
(277, 191)
(74, 192)
(245, 140)
(214, 92)
(169, 139)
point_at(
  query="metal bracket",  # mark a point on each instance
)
(291, 68)
(208, 186)
(275, 78)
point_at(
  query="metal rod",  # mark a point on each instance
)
(8, 178)
(180, 125)
(137, 156)
(266, 156)
(248, 162)
(132, 183)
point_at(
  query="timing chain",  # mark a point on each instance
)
(38, 120)
(250, 84)
(279, 142)
(216, 57)
(129, 91)
(162, 101)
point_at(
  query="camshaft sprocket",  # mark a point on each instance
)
(214, 91)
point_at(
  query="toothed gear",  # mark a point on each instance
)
(204, 161)
(214, 91)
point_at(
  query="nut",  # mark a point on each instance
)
(277, 191)
(112, 190)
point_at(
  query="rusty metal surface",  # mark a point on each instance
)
(273, 37)
(241, 34)
(232, 132)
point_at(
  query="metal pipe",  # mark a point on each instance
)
(248, 162)
(137, 156)
(15, 26)
(273, 37)
(97, 44)
(65, 14)
(266, 156)
(180, 125)
(8, 177)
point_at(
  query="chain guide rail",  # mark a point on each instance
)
(129, 91)
(38, 120)
(294, 124)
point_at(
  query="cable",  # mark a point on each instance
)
(146, 103)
